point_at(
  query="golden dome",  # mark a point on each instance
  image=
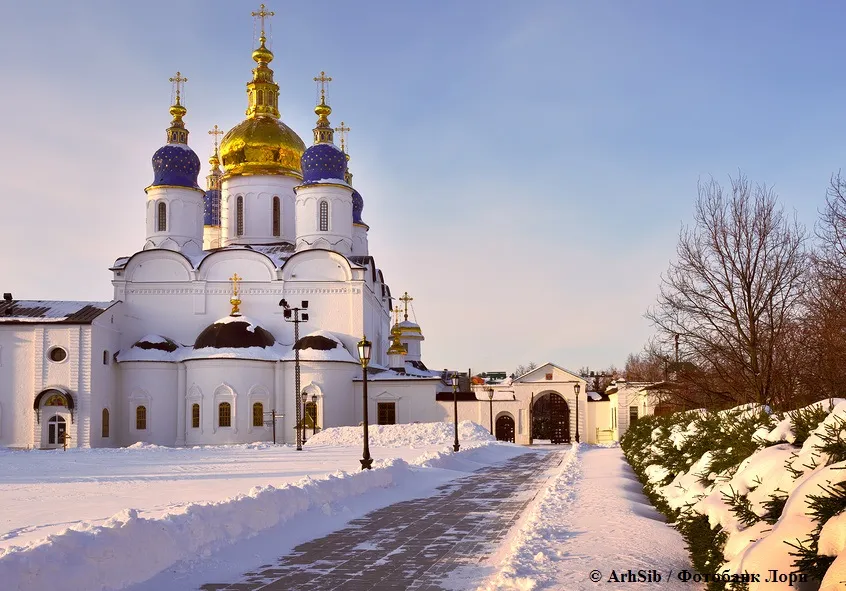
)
(262, 145)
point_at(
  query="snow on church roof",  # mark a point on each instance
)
(53, 311)
(320, 345)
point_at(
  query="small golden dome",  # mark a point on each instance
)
(262, 145)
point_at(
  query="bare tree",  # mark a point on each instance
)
(732, 293)
(823, 331)
(524, 369)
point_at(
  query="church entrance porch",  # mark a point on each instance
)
(54, 408)
(551, 418)
(505, 428)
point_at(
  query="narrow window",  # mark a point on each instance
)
(311, 415)
(161, 222)
(141, 418)
(105, 357)
(258, 414)
(324, 216)
(260, 96)
(105, 422)
(632, 414)
(277, 217)
(224, 415)
(195, 416)
(239, 216)
(387, 413)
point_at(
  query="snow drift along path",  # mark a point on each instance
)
(591, 517)
(128, 549)
(414, 435)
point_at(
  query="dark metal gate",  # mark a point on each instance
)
(551, 418)
(505, 428)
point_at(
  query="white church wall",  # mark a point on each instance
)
(17, 383)
(338, 236)
(257, 192)
(331, 381)
(414, 400)
(183, 229)
(237, 382)
(152, 385)
(105, 342)
(360, 244)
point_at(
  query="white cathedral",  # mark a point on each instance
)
(196, 346)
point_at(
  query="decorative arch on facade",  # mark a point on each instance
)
(194, 407)
(141, 260)
(139, 399)
(260, 395)
(225, 393)
(53, 396)
(206, 267)
(304, 257)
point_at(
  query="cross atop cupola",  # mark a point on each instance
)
(235, 300)
(261, 14)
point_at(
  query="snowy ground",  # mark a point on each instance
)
(592, 518)
(45, 492)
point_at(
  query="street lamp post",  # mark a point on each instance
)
(305, 414)
(490, 399)
(577, 388)
(364, 356)
(455, 445)
(296, 315)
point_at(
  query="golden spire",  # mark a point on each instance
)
(235, 300)
(323, 133)
(396, 348)
(343, 130)
(215, 174)
(176, 133)
(262, 91)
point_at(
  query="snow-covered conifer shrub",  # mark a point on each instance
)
(774, 506)
(821, 507)
(833, 440)
(704, 544)
(806, 420)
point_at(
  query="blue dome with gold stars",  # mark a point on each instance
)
(358, 207)
(176, 164)
(323, 162)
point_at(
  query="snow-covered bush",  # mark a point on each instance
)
(749, 490)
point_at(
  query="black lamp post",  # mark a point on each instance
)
(490, 399)
(364, 356)
(455, 445)
(314, 418)
(577, 388)
(296, 315)
(305, 414)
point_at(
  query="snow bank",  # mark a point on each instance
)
(407, 435)
(105, 557)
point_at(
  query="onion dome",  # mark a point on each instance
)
(234, 332)
(262, 144)
(323, 162)
(321, 345)
(175, 163)
(358, 207)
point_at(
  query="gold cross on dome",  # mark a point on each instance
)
(343, 131)
(261, 13)
(323, 81)
(396, 314)
(178, 81)
(216, 132)
(235, 279)
(405, 299)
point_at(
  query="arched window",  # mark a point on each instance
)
(105, 357)
(277, 217)
(310, 414)
(239, 216)
(260, 97)
(195, 416)
(105, 422)
(141, 418)
(324, 216)
(258, 414)
(161, 219)
(224, 415)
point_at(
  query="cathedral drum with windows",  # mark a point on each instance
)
(194, 348)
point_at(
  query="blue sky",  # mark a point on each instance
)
(526, 167)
